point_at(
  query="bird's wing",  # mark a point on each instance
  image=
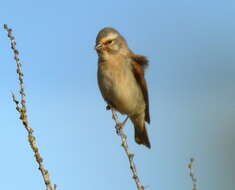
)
(141, 60)
(138, 64)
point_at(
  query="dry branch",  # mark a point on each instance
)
(21, 108)
(127, 151)
(191, 174)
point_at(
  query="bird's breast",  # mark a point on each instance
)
(118, 85)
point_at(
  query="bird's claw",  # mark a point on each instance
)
(119, 127)
(108, 107)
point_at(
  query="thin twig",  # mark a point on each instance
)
(191, 174)
(127, 151)
(21, 108)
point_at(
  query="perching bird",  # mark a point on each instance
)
(121, 80)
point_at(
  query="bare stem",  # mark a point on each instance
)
(191, 174)
(127, 151)
(21, 108)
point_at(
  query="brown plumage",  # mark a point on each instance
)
(121, 80)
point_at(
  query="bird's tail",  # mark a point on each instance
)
(141, 134)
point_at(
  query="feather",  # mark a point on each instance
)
(140, 59)
(138, 71)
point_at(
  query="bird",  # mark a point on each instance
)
(121, 80)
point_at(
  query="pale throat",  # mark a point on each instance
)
(104, 56)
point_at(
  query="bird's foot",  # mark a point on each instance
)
(108, 107)
(119, 125)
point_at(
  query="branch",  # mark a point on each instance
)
(191, 174)
(21, 108)
(127, 151)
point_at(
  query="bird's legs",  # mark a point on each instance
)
(119, 125)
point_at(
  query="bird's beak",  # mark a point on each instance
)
(98, 47)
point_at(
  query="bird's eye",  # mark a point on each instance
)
(109, 41)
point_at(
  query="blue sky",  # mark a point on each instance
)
(190, 45)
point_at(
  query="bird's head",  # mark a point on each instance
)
(110, 41)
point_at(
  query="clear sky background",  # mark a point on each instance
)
(191, 77)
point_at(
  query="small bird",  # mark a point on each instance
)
(121, 80)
